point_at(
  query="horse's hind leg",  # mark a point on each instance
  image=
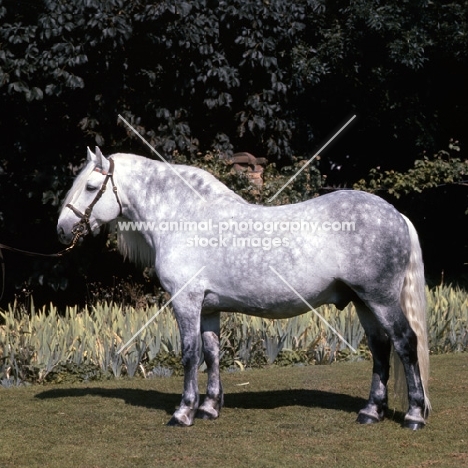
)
(380, 346)
(210, 327)
(396, 326)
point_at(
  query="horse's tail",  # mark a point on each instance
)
(413, 303)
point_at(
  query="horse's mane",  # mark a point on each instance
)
(134, 248)
(205, 183)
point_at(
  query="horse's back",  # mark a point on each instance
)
(344, 242)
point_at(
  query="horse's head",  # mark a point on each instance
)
(90, 203)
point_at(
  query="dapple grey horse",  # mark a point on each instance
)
(204, 241)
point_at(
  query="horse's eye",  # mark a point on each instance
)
(91, 188)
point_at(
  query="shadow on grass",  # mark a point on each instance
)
(154, 399)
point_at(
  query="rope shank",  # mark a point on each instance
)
(32, 254)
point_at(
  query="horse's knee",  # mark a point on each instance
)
(189, 359)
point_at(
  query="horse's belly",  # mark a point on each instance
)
(274, 303)
(277, 313)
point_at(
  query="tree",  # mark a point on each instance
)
(428, 173)
(274, 78)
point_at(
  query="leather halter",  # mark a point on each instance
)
(82, 227)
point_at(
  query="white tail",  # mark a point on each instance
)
(413, 303)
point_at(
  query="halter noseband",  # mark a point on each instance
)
(82, 227)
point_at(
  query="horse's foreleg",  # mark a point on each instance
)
(380, 346)
(210, 327)
(188, 319)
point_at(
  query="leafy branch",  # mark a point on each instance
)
(442, 169)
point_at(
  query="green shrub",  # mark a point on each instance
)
(39, 346)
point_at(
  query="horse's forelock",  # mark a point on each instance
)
(78, 184)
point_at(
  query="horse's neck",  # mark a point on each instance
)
(154, 192)
(151, 193)
(138, 181)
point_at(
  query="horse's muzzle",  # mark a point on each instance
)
(63, 237)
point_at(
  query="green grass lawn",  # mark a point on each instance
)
(294, 417)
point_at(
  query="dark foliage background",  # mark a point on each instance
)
(275, 78)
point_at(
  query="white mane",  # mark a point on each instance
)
(133, 246)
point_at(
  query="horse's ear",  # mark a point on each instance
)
(91, 156)
(102, 161)
(98, 159)
(98, 153)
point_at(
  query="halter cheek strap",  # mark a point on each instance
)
(82, 227)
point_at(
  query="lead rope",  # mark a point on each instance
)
(33, 254)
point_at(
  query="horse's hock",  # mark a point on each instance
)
(252, 166)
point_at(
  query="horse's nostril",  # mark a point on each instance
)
(61, 234)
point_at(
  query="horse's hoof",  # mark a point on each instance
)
(367, 419)
(205, 414)
(210, 408)
(413, 425)
(176, 422)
